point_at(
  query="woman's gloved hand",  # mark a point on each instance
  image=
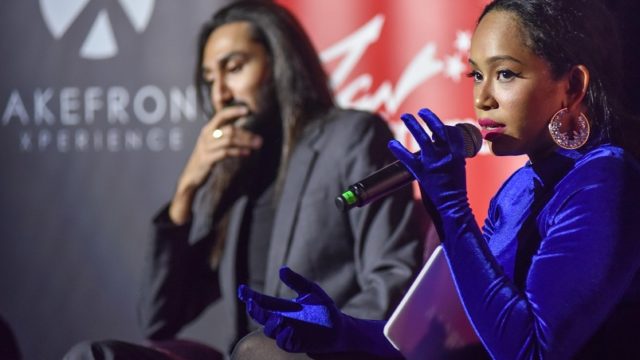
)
(439, 167)
(311, 322)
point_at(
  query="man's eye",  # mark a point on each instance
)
(234, 68)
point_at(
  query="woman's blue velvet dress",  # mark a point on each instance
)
(554, 273)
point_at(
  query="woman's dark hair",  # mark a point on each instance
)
(579, 32)
(300, 84)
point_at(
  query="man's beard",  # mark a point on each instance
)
(231, 175)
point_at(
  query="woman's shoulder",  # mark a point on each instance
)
(602, 184)
(606, 165)
(606, 169)
(605, 161)
(604, 151)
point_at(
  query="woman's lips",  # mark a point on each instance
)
(490, 129)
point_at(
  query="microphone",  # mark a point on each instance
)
(395, 175)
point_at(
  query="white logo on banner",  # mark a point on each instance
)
(100, 42)
(112, 118)
(424, 66)
(387, 98)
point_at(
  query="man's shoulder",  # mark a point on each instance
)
(342, 130)
(354, 121)
(352, 115)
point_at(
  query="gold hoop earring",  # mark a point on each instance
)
(568, 132)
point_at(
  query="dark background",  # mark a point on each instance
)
(75, 220)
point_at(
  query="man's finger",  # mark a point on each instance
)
(228, 115)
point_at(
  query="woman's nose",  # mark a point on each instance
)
(484, 99)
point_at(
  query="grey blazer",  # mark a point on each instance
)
(363, 259)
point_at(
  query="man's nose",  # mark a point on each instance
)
(221, 94)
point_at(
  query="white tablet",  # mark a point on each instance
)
(429, 322)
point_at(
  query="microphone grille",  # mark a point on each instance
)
(471, 137)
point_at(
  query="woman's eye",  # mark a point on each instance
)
(475, 75)
(506, 75)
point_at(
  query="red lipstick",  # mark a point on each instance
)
(490, 128)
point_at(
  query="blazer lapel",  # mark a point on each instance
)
(228, 280)
(300, 166)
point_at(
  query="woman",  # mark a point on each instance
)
(554, 272)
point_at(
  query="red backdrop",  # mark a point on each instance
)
(399, 56)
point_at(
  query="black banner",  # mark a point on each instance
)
(97, 117)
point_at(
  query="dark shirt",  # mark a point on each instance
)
(258, 220)
(261, 215)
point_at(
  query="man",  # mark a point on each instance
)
(257, 192)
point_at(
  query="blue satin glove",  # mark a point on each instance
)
(312, 322)
(440, 165)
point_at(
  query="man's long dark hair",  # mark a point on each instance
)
(299, 87)
(566, 33)
(300, 84)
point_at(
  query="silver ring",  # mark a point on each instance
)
(217, 134)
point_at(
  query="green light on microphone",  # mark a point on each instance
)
(350, 197)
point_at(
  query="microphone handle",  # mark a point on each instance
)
(395, 175)
(375, 186)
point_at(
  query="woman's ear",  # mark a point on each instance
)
(578, 78)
